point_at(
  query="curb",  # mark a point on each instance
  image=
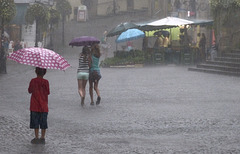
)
(128, 66)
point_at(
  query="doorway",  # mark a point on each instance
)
(130, 5)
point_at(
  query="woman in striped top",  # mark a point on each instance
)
(83, 72)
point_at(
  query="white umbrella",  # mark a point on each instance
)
(170, 21)
(5, 34)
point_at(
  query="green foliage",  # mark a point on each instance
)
(225, 12)
(64, 7)
(7, 10)
(230, 6)
(125, 58)
(54, 16)
(226, 5)
(215, 4)
(37, 12)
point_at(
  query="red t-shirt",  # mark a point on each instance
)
(39, 88)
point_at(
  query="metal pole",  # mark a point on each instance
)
(36, 37)
(165, 7)
(114, 6)
(51, 37)
(152, 8)
(63, 39)
(51, 29)
(3, 68)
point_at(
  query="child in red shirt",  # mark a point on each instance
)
(39, 88)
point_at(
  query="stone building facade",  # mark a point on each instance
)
(108, 7)
(199, 9)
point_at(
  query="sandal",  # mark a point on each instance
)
(35, 141)
(98, 100)
(82, 101)
(42, 141)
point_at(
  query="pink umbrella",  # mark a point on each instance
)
(40, 57)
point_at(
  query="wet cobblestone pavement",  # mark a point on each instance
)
(150, 110)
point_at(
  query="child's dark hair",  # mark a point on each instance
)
(85, 50)
(40, 71)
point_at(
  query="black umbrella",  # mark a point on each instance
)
(163, 32)
(121, 28)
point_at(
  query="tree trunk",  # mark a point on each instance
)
(51, 36)
(114, 6)
(63, 41)
(3, 69)
(36, 37)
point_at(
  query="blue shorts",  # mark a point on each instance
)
(82, 75)
(38, 119)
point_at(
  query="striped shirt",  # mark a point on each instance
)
(83, 65)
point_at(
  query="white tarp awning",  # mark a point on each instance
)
(170, 21)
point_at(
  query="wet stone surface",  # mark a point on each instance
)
(162, 109)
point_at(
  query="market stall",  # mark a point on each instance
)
(182, 46)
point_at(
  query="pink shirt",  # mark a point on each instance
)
(39, 88)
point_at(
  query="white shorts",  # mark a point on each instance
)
(82, 76)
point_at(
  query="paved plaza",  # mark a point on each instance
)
(149, 110)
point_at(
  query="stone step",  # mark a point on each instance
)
(214, 71)
(219, 67)
(235, 51)
(228, 64)
(234, 55)
(223, 63)
(228, 59)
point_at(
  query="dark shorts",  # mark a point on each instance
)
(94, 76)
(38, 119)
